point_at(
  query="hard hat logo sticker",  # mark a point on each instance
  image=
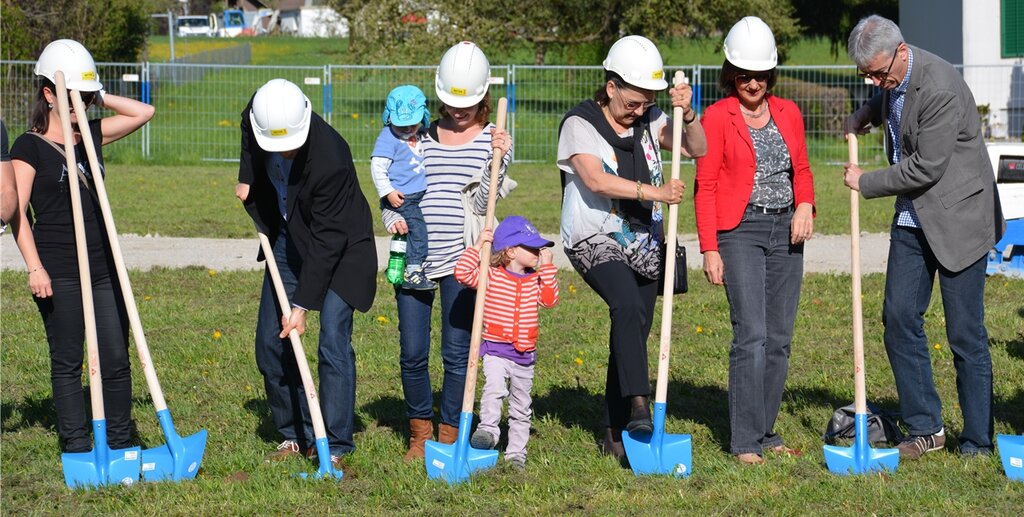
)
(278, 132)
(89, 76)
(657, 74)
(458, 91)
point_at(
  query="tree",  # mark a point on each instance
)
(834, 19)
(417, 31)
(112, 30)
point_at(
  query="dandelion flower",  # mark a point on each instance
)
(147, 298)
(355, 116)
(217, 334)
(578, 361)
(700, 329)
(572, 289)
(382, 319)
(248, 387)
(211, 272)
(224, 123)
(937, 346)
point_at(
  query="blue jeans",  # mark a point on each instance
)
(414, 310)
(763, 274)
(336, 365)
(909, 278)
(416, 243)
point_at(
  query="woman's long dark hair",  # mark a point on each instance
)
(40, 117)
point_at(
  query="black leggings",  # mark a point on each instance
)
(65, 332)
(630, 298)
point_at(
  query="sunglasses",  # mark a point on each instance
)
(761, 77)
(88, 98)
(880, 74)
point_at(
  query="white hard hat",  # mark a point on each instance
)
(461, 79)
(750, 45)
(70, 57)
(280, 116)
(638, 62)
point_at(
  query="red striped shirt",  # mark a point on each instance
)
(510, 311)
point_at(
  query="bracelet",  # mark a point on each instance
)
(40, 267)
(694, 117)
(639, 191)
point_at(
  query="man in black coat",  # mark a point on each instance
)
(298, 183)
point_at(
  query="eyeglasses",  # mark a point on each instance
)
(761, 77)
(880, 74)
(634, 105)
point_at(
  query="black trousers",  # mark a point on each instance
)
(65, 331)
(630, 298)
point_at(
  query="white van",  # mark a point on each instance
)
(194, 26)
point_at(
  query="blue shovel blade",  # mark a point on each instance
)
(1011, 450)
(326, 470)
(102, 465)
(658, 453)
(90, 470)
(178, 459)
(860, 458)
(454, 463)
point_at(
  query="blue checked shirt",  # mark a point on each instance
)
(905, 214)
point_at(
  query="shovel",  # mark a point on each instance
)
(454, 463)
(657, 452)
(1011, 449)
(181, 456)
(102, 465)
(323, 450)
(860, 458)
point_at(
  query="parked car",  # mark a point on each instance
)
(194, 26)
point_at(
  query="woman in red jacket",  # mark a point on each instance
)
(754, 202)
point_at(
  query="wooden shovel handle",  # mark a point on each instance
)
(312, 399)
(81, 248)
(661, 391)
(132, 308)
(469, 393)
(860, 395)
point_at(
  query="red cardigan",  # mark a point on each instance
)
(510, 310)
(725, 175)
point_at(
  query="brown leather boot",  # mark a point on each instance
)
(420, 430)
(447, 434)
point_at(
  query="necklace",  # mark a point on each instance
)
(755, 114)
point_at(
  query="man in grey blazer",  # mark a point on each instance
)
(947, 219)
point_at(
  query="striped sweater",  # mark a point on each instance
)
(449, 169)
(510, 310)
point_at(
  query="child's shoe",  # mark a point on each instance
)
(415, 279)
(517, 463)
(482, 440)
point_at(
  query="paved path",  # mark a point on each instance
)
(823, 253)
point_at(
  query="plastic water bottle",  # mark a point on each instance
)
(396, 262)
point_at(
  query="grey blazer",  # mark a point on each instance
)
(943, 167)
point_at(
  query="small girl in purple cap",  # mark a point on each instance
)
(396, 166)
(521, 277)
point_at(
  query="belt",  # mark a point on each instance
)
(770, 211)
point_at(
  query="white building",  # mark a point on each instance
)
(987, 37)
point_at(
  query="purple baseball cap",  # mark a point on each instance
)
(517, 231)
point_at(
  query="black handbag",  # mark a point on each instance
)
(679, 283)
(882, 427)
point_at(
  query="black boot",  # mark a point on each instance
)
(612, 445)
(639, 416)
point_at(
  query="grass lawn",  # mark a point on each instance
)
(198, 201)
(200, 327)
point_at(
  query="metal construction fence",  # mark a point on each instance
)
(199, 105)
